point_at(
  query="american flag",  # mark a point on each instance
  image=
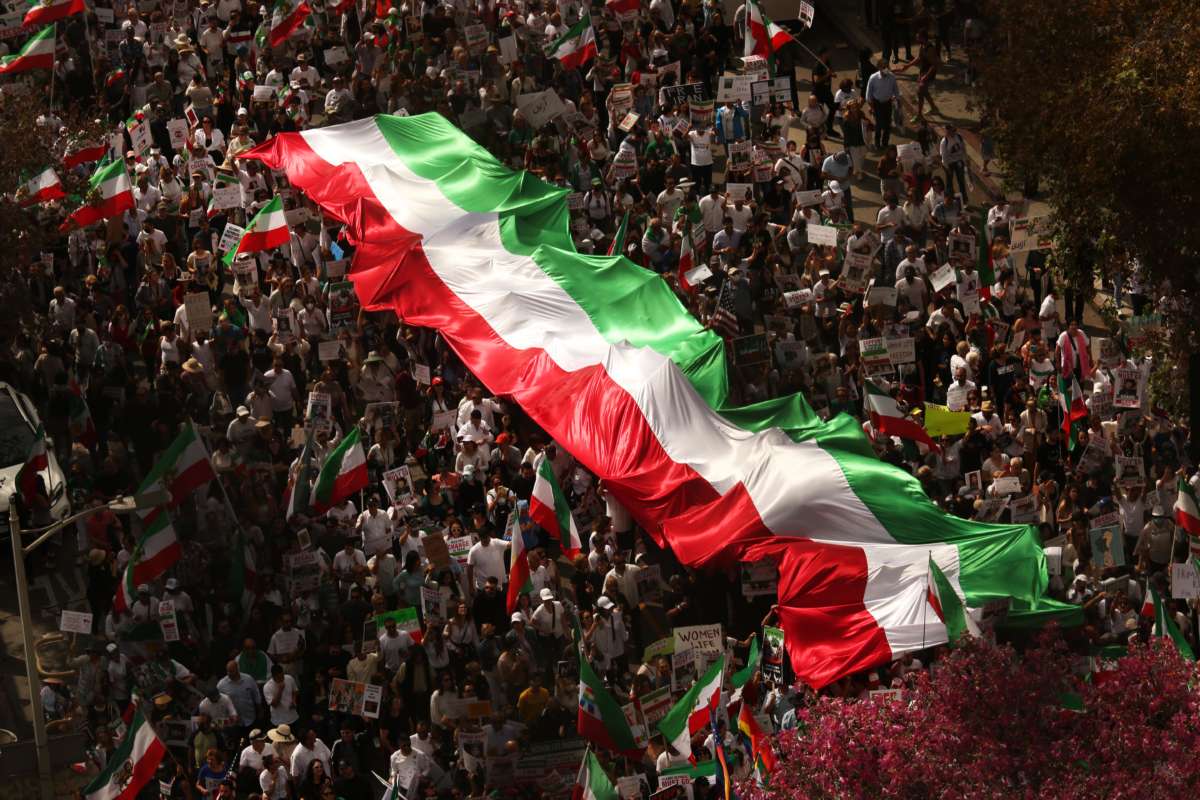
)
(724, 320)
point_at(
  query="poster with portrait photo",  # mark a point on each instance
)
(1128, 388)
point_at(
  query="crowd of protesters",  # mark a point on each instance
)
(252, 691)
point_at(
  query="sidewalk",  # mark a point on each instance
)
(954, 98)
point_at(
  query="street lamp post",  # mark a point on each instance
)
(40, 741)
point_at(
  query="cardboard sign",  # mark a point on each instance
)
(697, 275)
(759, 578)
(1053, 560)
(330, 351)
(825, 235)
(874, 354)
(1023, 509)
(75, 622)
(901, 350)
(230, 236)
(1130, 471)
(226, 195)
(177, 129)
(538, 108)
(751, 349)
(700, 638)
(1185, 581)
(436, 550)
(1108, 547)
(942, 277)
(198, 312)
(734, 88)
(168, 622)
(398, 485)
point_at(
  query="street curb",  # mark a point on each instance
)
(859, 37)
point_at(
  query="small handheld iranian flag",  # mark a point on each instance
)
(36, 462)
(577, 46)
(617, 246)
(548, 508)
(600, 719)
(183, 467)
(110, 193)
(886, 418)
(42, 189)
(85, 154)
(131, 766)
(687, 261)
(694, 710)
(343, 473)
(1165, 626)
(286, 18)
(154, 554)
(763, 37)
(593, 782)
(1074, 412)
(1187, 510)
(38, 53)
(266, 230)
(46, 12)
(519, 582)
(948, 605)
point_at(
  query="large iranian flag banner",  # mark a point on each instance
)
(603, 356)
(131, 766)
(344, 473)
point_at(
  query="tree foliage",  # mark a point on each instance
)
(989, 723)
(1099, 100)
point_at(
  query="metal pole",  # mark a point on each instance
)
(45, 781)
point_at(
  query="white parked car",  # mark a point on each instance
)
(18, 426)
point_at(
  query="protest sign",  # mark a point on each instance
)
(874, 355)
(826, 235)
(421, 374)
(1030, 233)
(1108, 547)
(538, 108)
(956, 397)
(1023, 509)
(1007, 485)
(197, 311)
(773, 653)
(1130, 471)
(759, 578)
(177, 130)
(1128, 391)
(432, 604)
(744, 191)
(342, 307)
(346, 697)
(697, 275)
(230, 236)
(335, 56)
(855, 272)
(303, 571)
(508, 49)
(75, 622)
(881, 296)
(330, 351)
(701, 113)
(739, 156)
(942, 277)
(909, 155)
(699, 638)
(445, 420)
(812, 197)
(318, 414)
(372, 699)
(750, 349)
(436, 551)
(168, 622)
(631, 118)
(637, 726)
(476, 37)
(990, 509)
(682, 93)
(806, 14)
(459, 547)
(962, 246)
(655, 705)
(1053, 560)
(398, 485)
(683, 670)
(734, 88)
(797, 298)
(658, 648)
(901, 349)
(1185, 581)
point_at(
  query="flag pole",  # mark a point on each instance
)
(925, 605)
(53, 66)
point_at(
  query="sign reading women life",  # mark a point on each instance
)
(705, 641)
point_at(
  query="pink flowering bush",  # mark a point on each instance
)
(990, 723)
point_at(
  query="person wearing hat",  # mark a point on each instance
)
(144, 606)
(240, 431)
(550, 628)
(254, 754)
(607, 634)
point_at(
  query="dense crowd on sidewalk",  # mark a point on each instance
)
(300, 651)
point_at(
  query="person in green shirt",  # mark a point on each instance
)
(254, 662)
